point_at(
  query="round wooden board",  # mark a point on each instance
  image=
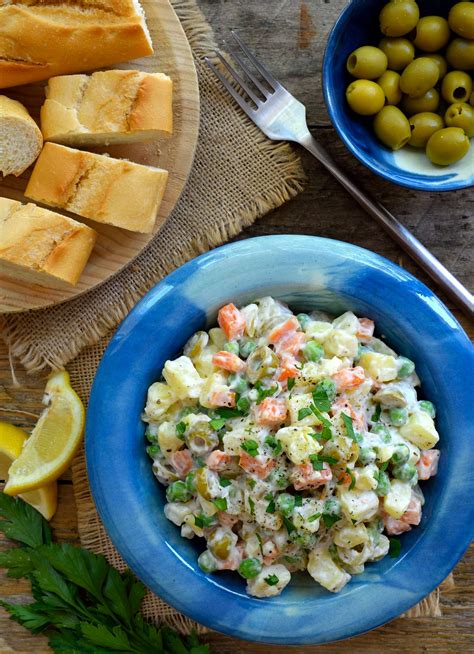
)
(115, 247)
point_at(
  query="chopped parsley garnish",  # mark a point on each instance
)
(384, 466)
(262, 393)
(275, 444)
(347, 420)
(271, 580)
(395, 548)
(217, 423)
(260, 542)
(250, 446)
(376, 413)
(321, 399)
(291, 382)
(180, 429)
(220, 503)
(328, 459)
(326, 433)
(243, 405)
(226, 412)
(203, 521)
(224, 482)
(251, 483)
(298, 500)
(315, 462)
(271, 508)
(303, 413)
(329, 519)
(353, 479)
(314, 517)
(252, 506)
(290, 527)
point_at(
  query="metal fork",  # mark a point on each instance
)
(283, 118)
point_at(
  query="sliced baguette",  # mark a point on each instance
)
(112, 191)
(42, 247)
(115, 106)
(39, 40)
(20, 137)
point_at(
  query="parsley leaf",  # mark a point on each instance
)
(291, 383)
(315, 462)
(395, 548)
(226, 412)
(290, 527)
(217, 423)
(262, 393)
(302, 413)
(321, 399)
(376, 413)
(20, 522)
(275, 444)
(224, 482)
(180, 429)
(252, 506)
(384, 466)
(314, 517)
(329, 519)
(353, 479)
(250, 446)
(328, 459)
(220, 503)
(347, 420)
(326, 433)
(271, 580)
(203, 520)
(298, 500)
(271, 508)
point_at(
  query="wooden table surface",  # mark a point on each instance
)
(289, 36)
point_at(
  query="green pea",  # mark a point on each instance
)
(327, 386)
(232, 347)
(406, 472)
(250, 568)
(190, 482)
(243, 404)
(285, 503)
(332, 506)
(303, 319)
(398, 417)
(237, 383)
(152, 450)
(406, 367)
(429, 407)
(313, 351)
(382, 431)
(303, 538)
(401, 454)
(151, 438)
(246, 347)
(178, 492)
(383, 484)
(367, 455)
(207, 562)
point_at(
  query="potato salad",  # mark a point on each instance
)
(290, 443)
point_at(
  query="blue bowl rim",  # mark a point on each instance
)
(106, 507)
(330, 102)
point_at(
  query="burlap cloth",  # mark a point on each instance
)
(238, 176)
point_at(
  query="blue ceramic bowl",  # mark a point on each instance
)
(308, 273)
(358, 25)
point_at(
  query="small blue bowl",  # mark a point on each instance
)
(358, 25)
(308, 273)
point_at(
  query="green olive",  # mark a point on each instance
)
(221, 548)
(400, 52)
(431, 33)
(441, 62)
(460, 54)
(423, 126)
(461, 115)
(427, 102)
(202, 485)
(392, 127)
(447, 146)
(419, 76)
(196, 344)
(461, 19)
(456, 86)
(263, 361)
(389, 82)
(399, 17)
(367, 62)
(365, 97)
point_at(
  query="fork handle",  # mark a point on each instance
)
(430, 264)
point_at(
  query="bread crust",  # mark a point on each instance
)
(42, 246)
(28, 137)
(39, 40)
(112, 191)
(115, 106)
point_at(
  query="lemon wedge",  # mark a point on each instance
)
(54, 440)
(44, 500)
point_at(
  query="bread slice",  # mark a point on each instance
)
(115, 106)
(42, 247)
(20, 137)
(112, 191)
(43, 38)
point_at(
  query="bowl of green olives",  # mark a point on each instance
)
(398, 81)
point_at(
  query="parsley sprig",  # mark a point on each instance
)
(81, 603)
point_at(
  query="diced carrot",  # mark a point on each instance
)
(260, 466)
(349, 378)
(290, 343)
(344, 478)
(394, 527)
(288, 367)
(305, 476)
(427, 466)
(226, 519)
(217, 460)
(366, 329)
(290, 325)
(271, 412)
(223, 398)
(231, 321)
(412, 515)
(182, 462)
(228, 361)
